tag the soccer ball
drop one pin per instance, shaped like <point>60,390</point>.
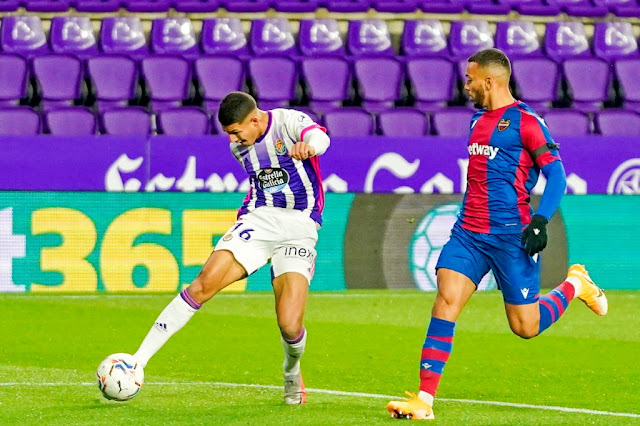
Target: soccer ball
<point>120,377</point>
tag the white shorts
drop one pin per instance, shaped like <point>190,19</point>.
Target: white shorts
<point>287,237</point>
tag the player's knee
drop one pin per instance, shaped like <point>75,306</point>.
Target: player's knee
<point>290,329</point>
<point>525,330</point>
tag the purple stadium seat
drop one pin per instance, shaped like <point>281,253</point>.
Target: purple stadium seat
<point>272,36</point>
<point>60,79</point>
<point>320,37</point>
<point>23,35</point>
<point>581,8</point>
<point>453,122</point>
<point>70,121</point>
<point>19,121</point>
<point>114,78</point>
<point>380,82</point>
<point>536,7</point>
<point>395,6</point>
<point>348,6</point>
<point>537,80</point>
<point>9,5</point>
<point>433,81</point>
<point>629,79</point>
<point>296,6</point>
<point>369,37</point>
<point>196,6</point>
<point>97,6</point>
<point>468,37</point>
<point>424,38</point>
<point>223,36</point>
<point>349,122</point>
<point>565,40</point>
<point>618,122</point>
<point>621,8</point>
<point>125,35</point>
<point>403,122</point>
<point>567,122</point>
<point>13,79</point>
<point>441,6</point>
<point>74,35</point>
<point>147,5</point>
<point>614,40</point>
<point>218,75</point>
<point>246,5</point>
<point>168,79</point>
<point>47,5</point>
<point>126,121</point>
<point>589,80</point>
<point>517,38</point>
<point>275,80</point>
<point>487,7</point>
<point>328,80</point>
<point>183,121</point>
<point>174,36</point>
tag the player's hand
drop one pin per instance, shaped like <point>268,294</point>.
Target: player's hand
<point>302,151</point>
<point>534,237</point>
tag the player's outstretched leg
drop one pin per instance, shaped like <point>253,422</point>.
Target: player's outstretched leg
<point>590,293</point>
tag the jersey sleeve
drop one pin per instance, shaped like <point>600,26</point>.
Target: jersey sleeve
<point>298,123</point>
<point>537,140</point>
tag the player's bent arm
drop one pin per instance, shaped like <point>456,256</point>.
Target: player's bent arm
<point>554,190</point>
<point>318,140</point>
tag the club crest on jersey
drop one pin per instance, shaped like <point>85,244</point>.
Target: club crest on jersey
<point>503,124</point>
<point>273,180</point>
<point>281,148</point>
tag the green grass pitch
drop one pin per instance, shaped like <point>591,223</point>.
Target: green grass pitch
<point>224,367</point>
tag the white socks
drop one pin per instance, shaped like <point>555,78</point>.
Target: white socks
<point>293,351</point>
<point>576,283</point>
<point>426,397</point>
<point>173,318</point>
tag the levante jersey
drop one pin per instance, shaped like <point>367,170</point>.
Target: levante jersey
<point>276,179</point>
<point>507,148</point>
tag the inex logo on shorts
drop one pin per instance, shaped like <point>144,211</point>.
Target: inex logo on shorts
<point>273,180</point>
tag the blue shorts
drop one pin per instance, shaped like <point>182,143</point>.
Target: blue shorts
<point>474,254</point>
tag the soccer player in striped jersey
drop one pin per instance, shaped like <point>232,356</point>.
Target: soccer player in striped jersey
<point>278,222</point>
<point>497,229</point>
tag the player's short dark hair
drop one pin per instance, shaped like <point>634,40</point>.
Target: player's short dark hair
<point>489,57</point>
<point>235,107</point>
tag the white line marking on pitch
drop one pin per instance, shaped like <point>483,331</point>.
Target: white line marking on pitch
<point>360,394</point>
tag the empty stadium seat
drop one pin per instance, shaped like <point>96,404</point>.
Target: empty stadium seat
<point>567,39</point>
<point>23,35</point>
<point>589,80</point>
<point>126,121</point>
<point>618,122</point>
<point>349,122</point>
<point>174,36</point>
<point>183,121</point>
<point>272,36</point>
<point>47,5</point>
<point>275,80</point>
<point>246,5</point>
<point>537,81</point>
<point>517,38</point>
<point>468,37</point>
<point>19,121</point>
<point>114,79</point>
<point>320,37</point>
<point>13,79</point>
<point>218,75</point>
<point>452,122</point>
<point>379,81</point>
<point>196,6</point>
<point>125,35</point>
<point>433,82</point>
<point>70,121</point>
<point>59,77</point>
<point>629,79</point>
<point>567,122</point>
<point>295,6</point>
<point>614,40</point>
<point>424,38</point>
<point>441,6</point>
<point>146,6</point>
<point>348,6</point>
<point>403,122</point>
<point>369,37</point>
<point>581,8</point>
<point>223,36</point>
<point>328,81</point>
<point>97,6</point>
<point>73,35</point>
<point>168,79</point>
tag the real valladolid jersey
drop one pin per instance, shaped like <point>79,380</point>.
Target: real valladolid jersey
<point>276,179</point>
<point>507,148</point>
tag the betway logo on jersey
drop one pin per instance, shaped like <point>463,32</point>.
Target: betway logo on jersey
<point>486,150</point>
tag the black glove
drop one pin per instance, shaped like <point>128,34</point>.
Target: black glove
<point>534,237</point>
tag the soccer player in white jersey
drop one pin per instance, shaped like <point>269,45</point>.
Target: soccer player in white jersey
<point>278,222</point>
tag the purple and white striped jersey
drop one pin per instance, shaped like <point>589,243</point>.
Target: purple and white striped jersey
<point>278,180</point>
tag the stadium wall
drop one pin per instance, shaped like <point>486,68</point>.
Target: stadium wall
<point>59,241</point>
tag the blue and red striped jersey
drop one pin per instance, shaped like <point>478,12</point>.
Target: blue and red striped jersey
<point>507,148</point>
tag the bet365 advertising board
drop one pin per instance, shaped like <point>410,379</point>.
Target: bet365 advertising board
<point>158,241</point>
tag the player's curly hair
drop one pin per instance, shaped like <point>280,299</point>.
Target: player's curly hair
<point>235,107</point>
<point>488,57</point>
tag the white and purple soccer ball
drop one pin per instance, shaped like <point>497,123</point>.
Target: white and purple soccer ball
<point>120,377</point>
